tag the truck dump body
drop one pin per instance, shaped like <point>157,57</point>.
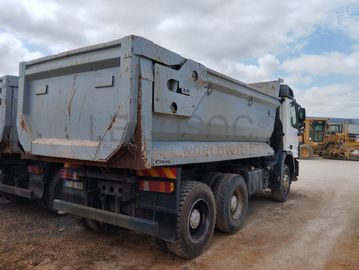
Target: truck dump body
<point>133,104</point>
<point>8,103</point>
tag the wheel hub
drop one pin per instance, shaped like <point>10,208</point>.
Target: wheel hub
<point>234,202</point>
<point>195,219</point>
<point>286,182</point>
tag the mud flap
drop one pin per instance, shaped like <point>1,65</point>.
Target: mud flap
<point>37,185</point>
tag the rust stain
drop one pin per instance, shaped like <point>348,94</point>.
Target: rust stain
<point>113,120</point>
<point>140,153</point>
<point>72,96</point>
<point>22,123</point>
<point>134,154</point>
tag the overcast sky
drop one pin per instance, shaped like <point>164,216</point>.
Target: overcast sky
<point>312,45</point>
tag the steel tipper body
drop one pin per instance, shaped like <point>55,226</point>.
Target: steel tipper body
<point>20,177</point>
<point>155,142</point>
<point>8,103</point>
<point>137,105</point>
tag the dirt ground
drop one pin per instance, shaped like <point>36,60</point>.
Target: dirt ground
<point>317,228</point>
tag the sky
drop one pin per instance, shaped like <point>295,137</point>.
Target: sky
<point>313,45</point>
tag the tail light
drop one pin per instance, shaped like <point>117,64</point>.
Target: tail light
<point>69,174</point>
<point>157,186</point>
<point>35,169</point>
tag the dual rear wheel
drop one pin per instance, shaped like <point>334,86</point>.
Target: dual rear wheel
<point>201,210</point>
<point>224,207</point>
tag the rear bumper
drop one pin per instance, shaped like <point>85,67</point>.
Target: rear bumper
<point>132,223</point>
<point>21,192</point>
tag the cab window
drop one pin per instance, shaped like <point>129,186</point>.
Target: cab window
<point>293,115</point>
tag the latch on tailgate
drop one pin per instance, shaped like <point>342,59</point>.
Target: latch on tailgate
<point>179,92</point>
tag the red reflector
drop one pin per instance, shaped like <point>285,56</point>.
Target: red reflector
<point>69,174</point>
<point>163,172</point>
<point>157,186</point>
<point>35,169</point>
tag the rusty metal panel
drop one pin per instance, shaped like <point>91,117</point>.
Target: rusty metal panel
<point>130,103</point>
<point>75,118</point>
<point>8,104</point>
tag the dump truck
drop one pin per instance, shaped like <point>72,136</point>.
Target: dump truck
<point>155,142</point>
<point>21,178</point>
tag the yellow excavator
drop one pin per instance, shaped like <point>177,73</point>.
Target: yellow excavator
<point>329,140</point>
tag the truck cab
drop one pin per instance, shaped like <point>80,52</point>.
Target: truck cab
<point>292,116</point>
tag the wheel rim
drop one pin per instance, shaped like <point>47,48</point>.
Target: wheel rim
<point>198,220</point>
<point>286,182</point>
<point>304,152</point>
<point>236,204</point>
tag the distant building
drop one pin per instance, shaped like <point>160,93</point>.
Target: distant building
<point>339,120</point>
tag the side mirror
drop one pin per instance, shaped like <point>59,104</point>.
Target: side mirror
<point>301,115</point>
<point>301,126</point>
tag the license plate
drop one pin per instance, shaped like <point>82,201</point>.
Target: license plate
<point>73,184</point>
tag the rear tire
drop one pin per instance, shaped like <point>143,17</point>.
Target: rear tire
<point>281,187</point>
<point>53,190</point>
<point>195,220</point>
<point>231,203</point>
<point>305,151</point>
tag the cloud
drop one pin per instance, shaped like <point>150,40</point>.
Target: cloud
<point>220,30</point>
<point>337,100</point>
<point>295,79</point>
<point>326,64</point>
<point>263,71</point>
<point>13,51</point>
<point>347,21</point>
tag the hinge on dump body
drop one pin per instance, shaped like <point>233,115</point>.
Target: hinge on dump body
<point>178,92</point>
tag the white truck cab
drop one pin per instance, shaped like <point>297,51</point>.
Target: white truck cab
<point>292,117</point>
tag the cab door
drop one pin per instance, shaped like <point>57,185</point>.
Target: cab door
<point>289,116</point>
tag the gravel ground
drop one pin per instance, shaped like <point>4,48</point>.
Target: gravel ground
<point>317,228</point>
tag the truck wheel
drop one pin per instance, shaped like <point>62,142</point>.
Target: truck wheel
<point>97,226</point>
<point>53,190</point>
<point>195,220</point>
<point>280,189</point>
<point>232,203</point>
<point>211,178</point>
<point>305,151</point>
